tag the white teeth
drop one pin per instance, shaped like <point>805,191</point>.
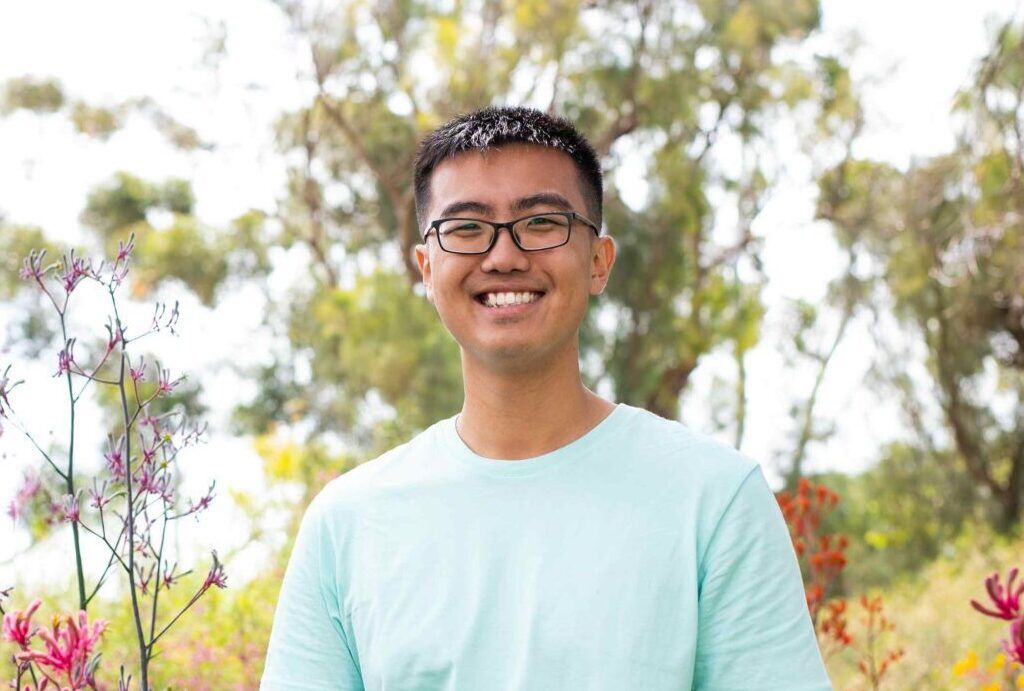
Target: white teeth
<point>501,299</point>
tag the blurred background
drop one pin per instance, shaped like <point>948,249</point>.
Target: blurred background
<point>819,209</point>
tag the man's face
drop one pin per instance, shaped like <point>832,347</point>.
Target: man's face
<point>502,185</point>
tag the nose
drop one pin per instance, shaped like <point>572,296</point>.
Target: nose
<point>505,255</point>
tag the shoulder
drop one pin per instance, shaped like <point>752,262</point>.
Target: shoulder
<point>695,455</point>
<point>698,474</point>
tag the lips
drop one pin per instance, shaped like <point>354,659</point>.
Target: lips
<point>477,295</point>
<point>512,311</point>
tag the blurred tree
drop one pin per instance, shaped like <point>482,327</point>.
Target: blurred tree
<point>46,95</point>
<point>900,514</point>
<point>804,326</point>
<point>96,121</point>
<point>171,242</point>
<point>668,81</point>
<point>379,337</point>
<point>687,93</point>
<point>947,237</point>
<point>29,326</point>
<point>837,124</point>
<point>40,95</point>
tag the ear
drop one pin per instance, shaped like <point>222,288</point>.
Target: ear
<point>602,257</point>
<point>422,253</point>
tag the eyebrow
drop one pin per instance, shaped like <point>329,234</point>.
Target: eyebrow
<point>552,199</point>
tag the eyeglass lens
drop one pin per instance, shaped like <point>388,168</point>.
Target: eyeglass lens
<point>534,233</point>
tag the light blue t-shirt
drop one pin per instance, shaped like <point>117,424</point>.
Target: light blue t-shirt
<point>642,556</point>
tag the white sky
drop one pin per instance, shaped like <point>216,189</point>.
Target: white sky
<point>106,51</point>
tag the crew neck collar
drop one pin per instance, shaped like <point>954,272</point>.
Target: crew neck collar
<point>563,455</point>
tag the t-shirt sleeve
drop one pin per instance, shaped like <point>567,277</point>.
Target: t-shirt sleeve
<point>308,648</point>
<point>754,630</point>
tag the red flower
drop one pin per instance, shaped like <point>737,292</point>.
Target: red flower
<point>138,373</point>
<point>124,251</point>
<point>32,266</point>
<point>66,358</point>
<point>115,459</point>
<point>69,504</point>
<point>1007,601</point>
<point>74,271</point>
<point>98,495</point>
<point>17,625</point>
<point>68,649</point>
<point>1015,646</point>
<point>152,482</point>
<point>203,503</point>
<point>216,576</point>
<point>164,385</point>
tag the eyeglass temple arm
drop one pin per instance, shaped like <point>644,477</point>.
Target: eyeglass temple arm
<point>590,223</point>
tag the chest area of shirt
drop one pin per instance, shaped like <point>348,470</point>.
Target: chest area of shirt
<point>559,579</point>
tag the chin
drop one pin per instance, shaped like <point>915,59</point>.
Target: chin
<point>509,355</point>
<point>502,352</point>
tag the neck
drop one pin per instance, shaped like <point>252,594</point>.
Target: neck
<point>519,412</point>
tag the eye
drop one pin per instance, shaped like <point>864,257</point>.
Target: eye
<point>460,226</point>
<point>545,222</point>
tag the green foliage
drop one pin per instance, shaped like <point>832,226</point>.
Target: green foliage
<point>16,241</point>
<point>245,246</point>
<point>621,70</point>
<point>126,199</point>
<point>948,238</point>
<point>30,326</point>
<point>311,465</point>
<point>45,96</point>
<point>201,257</point>
<point>952,284</point>
<point>183,251</point>
<point>40,95</point>
<point>900,514</point>
<point>839,103</point>
<point>280,399</point>
<point>379,337</point>
<point>684,309</point>
<point>177,133</point>
<point>95,121</point>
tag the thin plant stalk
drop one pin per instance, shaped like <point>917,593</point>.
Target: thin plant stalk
<point>147,479</point>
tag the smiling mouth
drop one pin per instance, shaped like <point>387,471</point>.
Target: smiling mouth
<point>500,300</point>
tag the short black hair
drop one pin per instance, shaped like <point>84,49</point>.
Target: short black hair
<point>494,126</point>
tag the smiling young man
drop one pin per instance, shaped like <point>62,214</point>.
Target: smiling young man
<point>543,538</point>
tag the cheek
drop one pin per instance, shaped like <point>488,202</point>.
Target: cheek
<point>450,300</point>
<point>577,278</point>
<point>572,291</point>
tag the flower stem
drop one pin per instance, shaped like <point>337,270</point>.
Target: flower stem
<point>130,518</point>
<point>70,478</point>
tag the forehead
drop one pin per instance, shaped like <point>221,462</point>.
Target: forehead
<point>499,177</point>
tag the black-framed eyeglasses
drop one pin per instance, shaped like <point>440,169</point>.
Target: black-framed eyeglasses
<point>530,233</point>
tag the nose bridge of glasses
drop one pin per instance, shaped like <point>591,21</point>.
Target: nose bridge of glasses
<point>496,237</point>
